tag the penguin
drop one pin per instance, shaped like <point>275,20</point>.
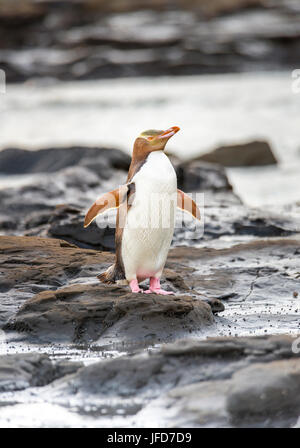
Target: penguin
<point>146,209</point>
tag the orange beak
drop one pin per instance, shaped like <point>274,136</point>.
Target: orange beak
<point>169,132</point>
<point>166,134</point>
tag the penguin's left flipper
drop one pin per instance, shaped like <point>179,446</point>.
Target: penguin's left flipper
<point>185,203</point>
<point>112,199</point>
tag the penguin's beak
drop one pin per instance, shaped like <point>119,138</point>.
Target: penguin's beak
<point>168,133</point>
<point>159,139</point>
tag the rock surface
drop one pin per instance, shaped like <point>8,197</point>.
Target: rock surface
<point>219,382</point>
<point>72,40</point>
<point>268,389</point>
<point>30,265</point>
<point>244,270</point>
<point>51,160</point>
<point>109,315</point>
<point>249,154</point>
<point>53,203</point>
<point>21,371</point>
<point>255,277</point>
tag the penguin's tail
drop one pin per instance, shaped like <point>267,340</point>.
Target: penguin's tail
<point>108,276</point>
<point>112,275</point>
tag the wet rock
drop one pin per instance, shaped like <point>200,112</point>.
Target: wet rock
<point>249,154</point>
<point>49,293</point>
<point>246,274</point>
<point>52,160</point>
<point>241,393</point>
<point>30,265</point>
<point>75,40</point>
<point>264,224</point>
<point>54,204</point>
<point>67,223</point>
<point>265,389</point>
<point>29,11</point>
<point>125,377</point>
<point>21,371</point>
<point>36,208</point>
<point>109,314</point>
<point>215,304</point>
<point>225,216</point>
<point>189,383</point>
<point>263,348</point>
<point>138,374</point>
<point>219,6</point>
<point>196,175</point>
<point>258,276</point>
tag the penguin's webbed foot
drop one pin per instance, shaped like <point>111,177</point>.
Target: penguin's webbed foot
<point>134,286</point>
<point>156,289</point>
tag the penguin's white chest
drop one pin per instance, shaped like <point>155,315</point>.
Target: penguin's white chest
<point>149,225</point>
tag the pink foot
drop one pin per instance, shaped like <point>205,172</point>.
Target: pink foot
<point>159,291</point>
<point>134,286</point>
<point>155,288</point>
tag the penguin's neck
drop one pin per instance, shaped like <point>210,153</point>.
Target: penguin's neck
<point>157,165</point>
<point>157,171</point>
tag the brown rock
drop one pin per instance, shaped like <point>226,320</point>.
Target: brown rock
<point>249,154</point>
<point>207,7</point>
<point>87,312</point>
<point>44,261</point>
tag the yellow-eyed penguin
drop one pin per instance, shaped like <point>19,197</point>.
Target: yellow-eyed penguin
<point>146,214</point>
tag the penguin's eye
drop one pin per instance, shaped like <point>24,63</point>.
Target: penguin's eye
<point>150,138</point>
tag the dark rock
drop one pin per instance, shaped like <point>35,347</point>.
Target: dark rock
<point>244,385</point>
<point>263,225</point>
<point>215,304</point>
<point>51,160</point>
<point>216,381</point>
<point>67,223</point>
<point>54,204</point>
<point>265,390</point>
<point>258,278</point>
<point>21,371</point>
<point>264,348</point>
<point>247,280</point>
<point>249,154</point>
<point>28,263</point>
<point>224,215</point>
<point>75,40</point>
<point>196,175</point>
<point>90,312</point>
<point>37,208</point>
<point>127,376</point>
<point>191,383</point>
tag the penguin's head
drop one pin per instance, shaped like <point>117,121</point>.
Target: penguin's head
<point>154,140</point>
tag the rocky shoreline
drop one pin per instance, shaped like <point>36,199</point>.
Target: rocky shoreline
<point>245,382</point>
<point>75,40</point>
<point>97,355</point>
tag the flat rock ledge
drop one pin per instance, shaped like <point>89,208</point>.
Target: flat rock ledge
<point>219,382</point>
<point>23,370</point>
<point>109,315</point>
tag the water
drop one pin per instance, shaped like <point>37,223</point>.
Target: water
<point>211,110</point>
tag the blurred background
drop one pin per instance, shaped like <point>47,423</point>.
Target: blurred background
<point>97,73</point>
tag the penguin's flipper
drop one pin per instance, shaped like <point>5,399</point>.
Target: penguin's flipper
<point>108,201</point>
<point>185,203</point>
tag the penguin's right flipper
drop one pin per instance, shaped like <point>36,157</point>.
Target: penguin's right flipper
<point>112,199</point>
<point>186,203</point>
